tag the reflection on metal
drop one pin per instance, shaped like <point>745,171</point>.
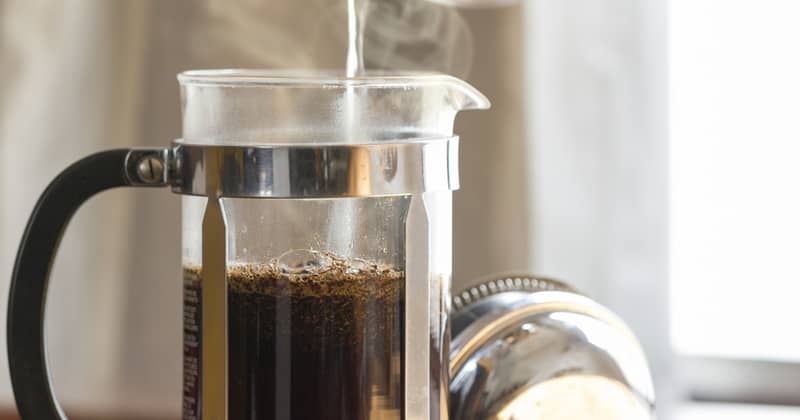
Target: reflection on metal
<point>574,396</point>
<point>214,302</point>
<point>417,378</point>
<point>358,181</point>
<point>531,348</point>
<point>319,171</point>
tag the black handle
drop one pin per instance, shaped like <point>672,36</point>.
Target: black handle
<point>26,303</point>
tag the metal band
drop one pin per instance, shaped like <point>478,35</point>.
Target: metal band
<point>318,171</point>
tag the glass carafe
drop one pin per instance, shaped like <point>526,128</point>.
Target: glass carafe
<point>316,245</point>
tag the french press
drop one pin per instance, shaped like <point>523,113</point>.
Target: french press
<point>316,244</point>
<point>316,248</point>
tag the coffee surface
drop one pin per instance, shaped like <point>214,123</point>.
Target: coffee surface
<point>323,344</point>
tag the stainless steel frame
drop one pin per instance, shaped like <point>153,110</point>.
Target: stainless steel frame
<point>410,167</point>
<point>302,171</point>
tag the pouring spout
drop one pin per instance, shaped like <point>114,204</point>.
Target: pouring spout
<point>464,97</point>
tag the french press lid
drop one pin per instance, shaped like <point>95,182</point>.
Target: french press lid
<point>530,348</point>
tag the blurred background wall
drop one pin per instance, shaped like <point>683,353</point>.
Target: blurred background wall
<point>598,130</point>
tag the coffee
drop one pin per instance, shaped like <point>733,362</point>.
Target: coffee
<point>325,344</point>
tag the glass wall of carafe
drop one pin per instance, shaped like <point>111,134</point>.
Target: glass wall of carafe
<point>338,262</point>
<point>319,312</point>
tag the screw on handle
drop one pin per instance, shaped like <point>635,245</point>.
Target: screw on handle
<point>27,297</point>
<point>148,167</point>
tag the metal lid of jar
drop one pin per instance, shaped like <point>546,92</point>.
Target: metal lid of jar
<point>531,348</point>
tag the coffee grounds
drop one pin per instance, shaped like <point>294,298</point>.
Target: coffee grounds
<point>324,345</point>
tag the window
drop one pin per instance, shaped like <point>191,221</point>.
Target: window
<point>735,197</point>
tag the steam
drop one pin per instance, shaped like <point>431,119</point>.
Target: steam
<point>398,35</point>
<point>416,35</point>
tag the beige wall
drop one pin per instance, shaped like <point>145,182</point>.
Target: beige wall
<point>491,214</point>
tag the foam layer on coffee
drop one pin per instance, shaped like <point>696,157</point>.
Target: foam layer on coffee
<point>338,277</point>
<point>343,302</point>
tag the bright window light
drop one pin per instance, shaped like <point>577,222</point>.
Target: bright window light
<point>735,178</point>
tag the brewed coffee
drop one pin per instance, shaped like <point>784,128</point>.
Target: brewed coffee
<point>307,345</point>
